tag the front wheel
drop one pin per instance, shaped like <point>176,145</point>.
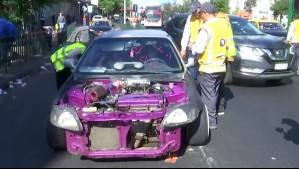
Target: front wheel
<point>198,132</point>
<point>56,137</point>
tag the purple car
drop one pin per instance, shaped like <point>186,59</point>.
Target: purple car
<point>130,96</point>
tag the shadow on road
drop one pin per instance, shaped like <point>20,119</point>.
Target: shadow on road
<point>293,133</point>
<point>263,83</point>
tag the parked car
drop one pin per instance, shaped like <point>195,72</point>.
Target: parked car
<point>82,34</point>
<point>259,55</point>
<point>129,96</point>
<point>272,27</point>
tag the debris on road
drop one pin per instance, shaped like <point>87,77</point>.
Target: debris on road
<point>43,68</point>
<point>2,92</point>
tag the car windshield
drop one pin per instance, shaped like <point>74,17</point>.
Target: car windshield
<point>100,23</point>
<point>243,27</point>
<point>153,15</point>
<point>271,26</point>
<point>130,56</point>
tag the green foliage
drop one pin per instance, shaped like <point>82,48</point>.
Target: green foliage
<point>221,5</point>
<point>280,7</point>
<point>16,10</point>
<point>113,7</point>
<point>249,4</point>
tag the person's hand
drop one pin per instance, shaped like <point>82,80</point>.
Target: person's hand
<point>230,59</point>
<point>183,53</point>
<point>190,46</point>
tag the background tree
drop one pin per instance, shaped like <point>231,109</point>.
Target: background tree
<point>112,7</point>
<point>280,7</point>
<point>185,7</point>
<point>249,4</point>
<point>221,5</point>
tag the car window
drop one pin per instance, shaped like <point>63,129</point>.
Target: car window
<point>124,55</point>
<point>271,26</point>
<point>243,27</point>
<point>254,23</point>
<point>100,23</point>
<point>179,23</point>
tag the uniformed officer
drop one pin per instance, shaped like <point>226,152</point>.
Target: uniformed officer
<point>192,26</point>
<point>211,46</point>
<point>293,38</point>
<point>59,58</point>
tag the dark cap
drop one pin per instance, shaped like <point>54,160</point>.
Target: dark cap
<point>208,7</point>
<point>194,5</point>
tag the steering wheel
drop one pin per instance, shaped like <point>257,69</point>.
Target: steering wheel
<point>155,60</point>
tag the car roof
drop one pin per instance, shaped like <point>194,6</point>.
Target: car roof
<point>264,20</point>
<point>139,33</point>
<point>187,14</point>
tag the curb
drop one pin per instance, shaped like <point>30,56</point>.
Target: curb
<point>29,71</point>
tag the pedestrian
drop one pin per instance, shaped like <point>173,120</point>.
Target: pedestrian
<point>293,38</point>
<point>42,19</point>
<point>53,19</point>
<point>211,46</point>
<point>61,21</point>
<point>192,26</point>
<point>230,54</point>
<point>9,33</point>
<point>61,56</point>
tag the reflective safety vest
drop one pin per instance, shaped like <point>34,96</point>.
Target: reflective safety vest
<point>213,58</point>
<point>60,55</point>
<point>231,48</point>
<point>295,38</point>
<point>195,25</point>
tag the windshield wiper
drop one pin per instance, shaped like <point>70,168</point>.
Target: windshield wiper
<point>145,72</point>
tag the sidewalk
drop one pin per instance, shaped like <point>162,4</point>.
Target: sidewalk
<point>19,71</point>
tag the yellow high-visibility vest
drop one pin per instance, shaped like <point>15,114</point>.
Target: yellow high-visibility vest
<point>213,58</point>
<point>60,55</point>
<point>231,48</point>
<point>195,25</point>
<point>295,38</point>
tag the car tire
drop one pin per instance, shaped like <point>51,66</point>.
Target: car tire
<point>198,132</point>
<point>56,137</point>
<point>228,79</point>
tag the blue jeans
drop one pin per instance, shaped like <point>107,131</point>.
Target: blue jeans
<point>193,69</point>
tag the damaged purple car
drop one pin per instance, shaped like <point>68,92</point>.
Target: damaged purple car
<point>130,96</point>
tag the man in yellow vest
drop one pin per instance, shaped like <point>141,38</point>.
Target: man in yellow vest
<point>293,38</point>
<point>192,26</point>
<point>230,53</point>
<point>63,55</point>
<point>211,47</point>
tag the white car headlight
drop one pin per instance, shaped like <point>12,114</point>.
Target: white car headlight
<point>180,114</point>
<point>251,51</point>
<point>66,118</point>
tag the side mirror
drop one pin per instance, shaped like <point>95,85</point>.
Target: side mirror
<point>71,63</point>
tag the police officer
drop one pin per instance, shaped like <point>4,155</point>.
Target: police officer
<point>59,58</point>
<point>211,46</point>
<point>293,38</point>
<point>192,26</point>
<point>230,53</point>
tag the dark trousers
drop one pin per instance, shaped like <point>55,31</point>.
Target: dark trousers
<point>62,76</point>
<point>193,70</point>
<point>296,46</point>
<point>209,89</point>
<point>221,98</point>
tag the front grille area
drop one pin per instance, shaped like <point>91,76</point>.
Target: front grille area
<point>278,54</point>
<point>271,71</point>
<point>103,136</point>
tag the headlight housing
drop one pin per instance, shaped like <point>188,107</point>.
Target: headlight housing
<point>180,114</point>
<point>66,118</point>
<point>251,51</point>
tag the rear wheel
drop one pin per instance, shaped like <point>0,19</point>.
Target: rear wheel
<point>197,132</point>
<point>56,137</point>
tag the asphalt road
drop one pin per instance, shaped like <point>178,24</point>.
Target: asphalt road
<point>259,129</point>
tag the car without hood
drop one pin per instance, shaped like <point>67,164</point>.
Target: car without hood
<point>129,96</point>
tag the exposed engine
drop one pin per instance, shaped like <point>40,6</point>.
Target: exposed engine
<point>124,95</point>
